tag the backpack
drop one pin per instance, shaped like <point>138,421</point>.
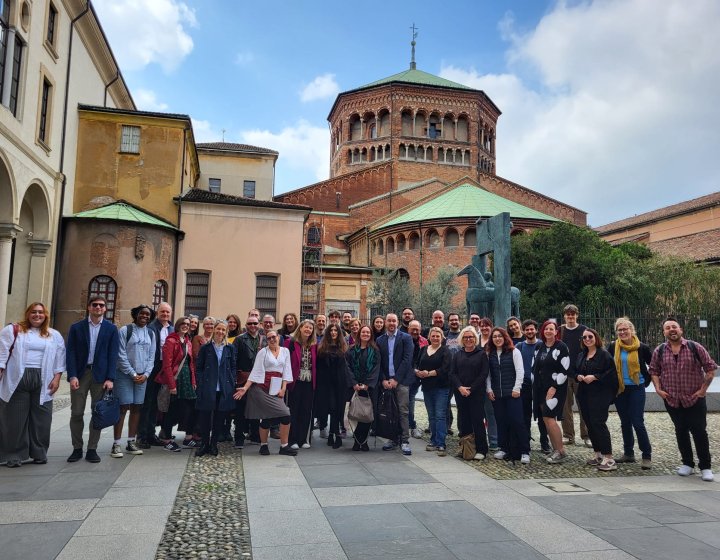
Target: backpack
<point>129,331</point>
<point>692,345</point>
<point>387,421</point>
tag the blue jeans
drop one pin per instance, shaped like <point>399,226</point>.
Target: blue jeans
<point>436,405</point>
<point>411,411</point>
<point>630,405</point>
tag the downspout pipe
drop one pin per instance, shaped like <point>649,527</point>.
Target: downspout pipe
<point>178,233</point>
<point>107,87</point>
<point>63,187</point>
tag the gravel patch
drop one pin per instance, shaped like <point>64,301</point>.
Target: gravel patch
<point>665,455</point>
<point>210,518</point>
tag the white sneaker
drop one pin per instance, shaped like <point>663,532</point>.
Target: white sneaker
<point>684,470</point>
<point>305,446</point>
<point>416,433</point>
<point>295,446</point>
<point>707,475</point>
<point>478,457</point>
<point>500,454</point>
<point>116,451</point>
<point>525,459</point>
<point>324,433</point>
<point>405,447</point>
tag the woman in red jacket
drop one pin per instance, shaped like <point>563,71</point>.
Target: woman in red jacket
<point>178,373</point>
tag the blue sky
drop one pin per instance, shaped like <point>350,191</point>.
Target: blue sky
<point>608,105</point>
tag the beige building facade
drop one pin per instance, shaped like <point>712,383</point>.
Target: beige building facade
<point>55,56</point>
<point>237,169</point>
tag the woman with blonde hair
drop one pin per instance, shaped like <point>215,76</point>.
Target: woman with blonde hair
<point>631,362</point>
<point>303,360</point>
<point>433,367</point>
<point>32,359</point>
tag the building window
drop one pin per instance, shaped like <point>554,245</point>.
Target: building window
<point>249,189</point>
<point>160,293</point>
<point>51,24</point>
<point>15,76</point>
<point>130,141</point>
<point>106,287</point>
<point>266,294</point>
<point>452,238</point>
<point>45,105</point>
<point>313,235</point>
<point>214,185</point>
<point>197,286</point>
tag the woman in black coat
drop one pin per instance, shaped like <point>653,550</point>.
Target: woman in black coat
<point>363,360</point>
<point>331,391</point>
<point>597,387</point>
<point>215,375</point>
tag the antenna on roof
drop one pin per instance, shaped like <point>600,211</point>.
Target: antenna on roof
<point>223,135</point>
<point>414,36</point>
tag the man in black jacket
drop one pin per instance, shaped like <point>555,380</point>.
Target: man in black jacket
<point>247,346</point>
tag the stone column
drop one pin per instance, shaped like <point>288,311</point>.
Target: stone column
<point>8,232</point>
<point>38,270</point>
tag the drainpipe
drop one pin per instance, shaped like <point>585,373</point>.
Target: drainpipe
<point>63,186</point>
<point>421,262</point>
<point>178,232</point>
<point>107,87</point>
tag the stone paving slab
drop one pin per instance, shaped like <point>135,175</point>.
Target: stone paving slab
<point>315,551</point>
<point>709,533</point>
<point>277,528</point>
<point>659,543</point>
<point>516,550</point>
<point>393,494</point>
<point>399,548</point>
<point>46,511</point>
<point>36,541</point>
<point>111,547</point>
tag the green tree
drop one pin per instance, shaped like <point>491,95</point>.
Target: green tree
<point>389,292</point>
<point>438,293</point>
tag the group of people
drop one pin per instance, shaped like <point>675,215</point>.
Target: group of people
<point>204,375</point>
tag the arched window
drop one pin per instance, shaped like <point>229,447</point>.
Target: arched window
<point>407,123</point>
<point>433,239</point>
<point>373,131</point>
<point>470,239</point>
<point>390,245</point>
<point>452,239</point>
<point>106,287</point>
<point>401,242</point>
<point>413,241</point>
<point>402,273</point>
<point>355,127</point>
<point>160,293</point>
<point>313,235</point>
<point>380,247</point>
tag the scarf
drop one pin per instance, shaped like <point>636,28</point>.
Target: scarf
<point>633,361</point>
<point>369,363</point>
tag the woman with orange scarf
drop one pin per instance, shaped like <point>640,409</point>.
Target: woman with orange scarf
<point>631,360</point>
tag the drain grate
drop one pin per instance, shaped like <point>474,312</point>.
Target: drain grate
<point>563,486</point>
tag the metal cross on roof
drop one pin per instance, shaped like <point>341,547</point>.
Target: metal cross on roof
<point>412,43</point>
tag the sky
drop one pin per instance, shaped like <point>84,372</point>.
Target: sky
<point>607,105</point>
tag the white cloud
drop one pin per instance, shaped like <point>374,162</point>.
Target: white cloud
<point>611,105</point>
<point>244,58</point>
<point>143,32</point>
<point>322,87</point>
<point>304,152</point>
<point>146,100</point>
<point>204,131</point>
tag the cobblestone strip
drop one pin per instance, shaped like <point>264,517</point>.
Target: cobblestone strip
<point>210,517</point>
<point>665,454</point>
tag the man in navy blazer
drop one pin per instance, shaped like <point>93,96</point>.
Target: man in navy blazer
<point>92,354</point>
<point>397,373</point>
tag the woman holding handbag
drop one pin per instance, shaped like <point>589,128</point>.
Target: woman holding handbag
<point>32,359</point>
<point>433,367</point>
<point>216,372</point>
<point>331,391</point>
<point>177,378</point>
<point>363,361</point>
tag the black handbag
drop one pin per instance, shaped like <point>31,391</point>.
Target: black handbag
<point>387,423</point>
<point>106,411</point>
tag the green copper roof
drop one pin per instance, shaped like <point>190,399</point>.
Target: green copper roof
<point>123,212</point>
<point>414,76</point>
<point>466,201</point>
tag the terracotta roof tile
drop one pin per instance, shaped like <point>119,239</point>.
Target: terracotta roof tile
<point>662,213</point>
<point>233,147</point>
<point>200,195</point>
<point>701,246</point>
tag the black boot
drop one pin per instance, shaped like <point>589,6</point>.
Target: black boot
<point>213,448</point>
<point>204,450</point>
<point>331,439</point>
<point>337,444</point>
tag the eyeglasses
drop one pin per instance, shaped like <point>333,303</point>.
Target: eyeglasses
<point>250,324</point>
<point>97,305</point>
<point>623,329</point>
<point>498,336</point>
<point>469,337</point>
<point>588,337</point>
<point>273,337</point>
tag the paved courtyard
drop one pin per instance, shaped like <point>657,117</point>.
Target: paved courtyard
<point>336,504</point>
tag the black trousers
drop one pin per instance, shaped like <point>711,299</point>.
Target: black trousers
<point>212,422</point>
<point>471,419</point>
<point>687,421</point>
<point>149,411</point>
<point>182,412</point>
<point>300,401</point>
<point>243,426</point>
<point>594,405</point>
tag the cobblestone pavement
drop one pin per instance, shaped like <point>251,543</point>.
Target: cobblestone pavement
<point>210,516</point>
<point>666,458</point>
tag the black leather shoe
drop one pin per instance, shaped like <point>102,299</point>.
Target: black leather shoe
<point>287,450</point>
<point>365,447</point>
<point>76,455</point>
<point>91,456</point>
<point>331,439</point>
<point>356,446</point>
<point>204,450</point>
<point>264,450</point>
<point>337,444</point>
<point>214,449</point>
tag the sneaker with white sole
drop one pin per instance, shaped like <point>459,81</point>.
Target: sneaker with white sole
<point>607,465</point>
<point>116,451</point>
<point>389,446</point>
<point>406,449</point>
<point>305,446</point>
<point>295,446</point>
<point>172,446</point>
<point>707,475</point>
<point>557,457</point>
<point>500,454</point>
<point>133,448</point>
<point>685,470</point>
<point>416,433</point>
<point>525,459</point>
<point>478,457</point>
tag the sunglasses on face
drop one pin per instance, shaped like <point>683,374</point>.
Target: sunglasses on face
<point>97,305</point>
<point>468,338</point>
<point>250,324</point>
<point>588,337</point>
